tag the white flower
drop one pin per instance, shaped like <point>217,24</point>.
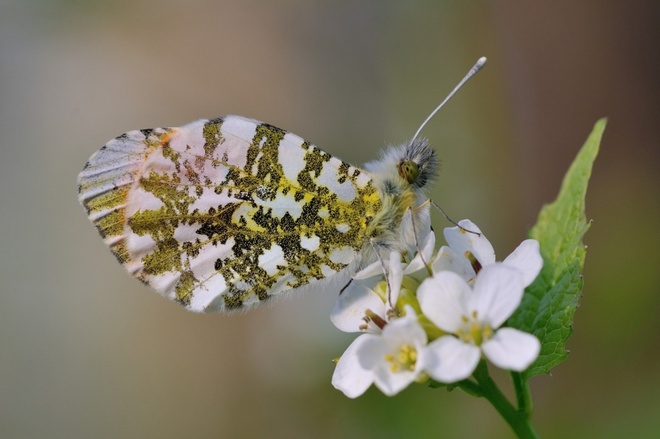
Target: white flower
<point>391,360</point>
<point>359,309</point>
<point>473,315</point>
<point>469,252</point>
<point>468,298</point>
<point>365,304</point>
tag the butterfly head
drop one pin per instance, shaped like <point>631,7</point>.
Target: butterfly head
<point>419,163</point>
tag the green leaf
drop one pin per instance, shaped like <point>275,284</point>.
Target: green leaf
<point>549,304</point>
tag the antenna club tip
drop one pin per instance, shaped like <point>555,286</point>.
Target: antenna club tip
<point>481,61</point>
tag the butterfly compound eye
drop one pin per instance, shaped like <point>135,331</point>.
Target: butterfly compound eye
<point>409,170</point>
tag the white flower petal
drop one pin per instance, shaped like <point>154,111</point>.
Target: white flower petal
<point>512,349</point>
<point>423,256</point>
<point>395,277</point>
<point>405,330</point>
<point>448,359</point>
<point>391,383</point>
<point>497,293</point>
<point>371,270</point>
<point>418,230</point>
<point>350,376</point>
<point>462,241</point>
<point>526,258</point>
<point>372,351</point>
<point>443,299</point>
<point>448,260</point>
<point>349,310</point>
<point>423,220</point>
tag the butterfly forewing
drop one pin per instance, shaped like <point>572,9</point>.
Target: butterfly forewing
<point>223,214</point>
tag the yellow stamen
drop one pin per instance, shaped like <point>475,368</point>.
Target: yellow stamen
<point>405,359</point>
<point>473,331</point>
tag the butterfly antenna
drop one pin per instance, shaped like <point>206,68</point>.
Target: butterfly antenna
<point>473,71</point>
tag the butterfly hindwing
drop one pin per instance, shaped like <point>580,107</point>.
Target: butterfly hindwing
<point>223,214</point>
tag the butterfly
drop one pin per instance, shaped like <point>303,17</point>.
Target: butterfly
<point>224,214</point>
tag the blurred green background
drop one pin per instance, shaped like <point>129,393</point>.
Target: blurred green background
<point>86,351</point>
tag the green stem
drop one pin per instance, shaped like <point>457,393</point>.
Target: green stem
<point>518,420</point>
<point>522,394</point>
<point>471,388</point>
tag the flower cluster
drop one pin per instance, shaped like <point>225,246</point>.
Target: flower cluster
<point>435,315</point>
